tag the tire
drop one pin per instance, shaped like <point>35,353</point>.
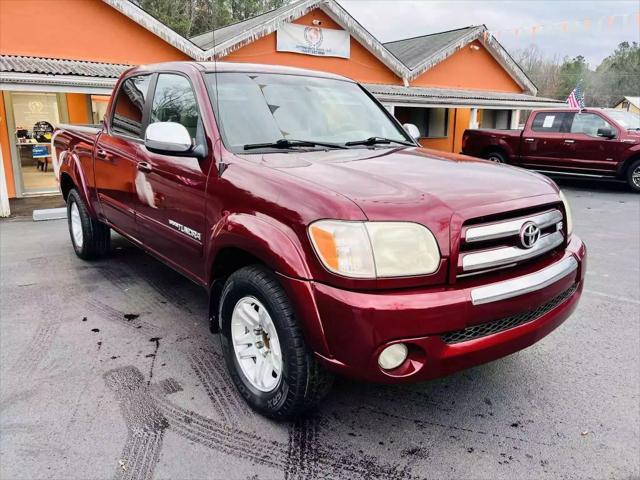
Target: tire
<point>496,157</point>
<point>302,382</point>
<point>633,176</point>
<point>91,239</point>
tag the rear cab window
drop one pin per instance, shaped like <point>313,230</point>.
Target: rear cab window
<point>551,122</point>
<point>128,111</point>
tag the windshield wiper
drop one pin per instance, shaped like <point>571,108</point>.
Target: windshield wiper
<point>285,143</point>
<point>378,141</point>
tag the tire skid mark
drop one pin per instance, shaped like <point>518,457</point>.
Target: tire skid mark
<point>118,277</point>
<point>209,369</point>
<point>145,424</point>
<point>148,414</point>
<point>249,446</point>
<point>302,454</point>
<point>110,313</point>
<point>37,348</point>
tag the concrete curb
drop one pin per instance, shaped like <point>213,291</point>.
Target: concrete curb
<point>49,214</point>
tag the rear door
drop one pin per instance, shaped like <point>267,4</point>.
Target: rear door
<point>116,154</point>
<point>171,190</point>
<point>542,144</point>
<point>585,151</point>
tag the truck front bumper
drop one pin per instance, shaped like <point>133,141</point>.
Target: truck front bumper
<point>446,329</point>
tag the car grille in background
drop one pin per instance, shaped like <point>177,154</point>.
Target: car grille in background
<point>490,245</point>
<point>496,326</point>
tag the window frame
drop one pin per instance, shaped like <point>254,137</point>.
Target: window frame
<point>152,91</point>
<point>145,109</point>
<point>565,126</point>
<point>426,116</point>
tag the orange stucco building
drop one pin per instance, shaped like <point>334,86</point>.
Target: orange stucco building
<point>63,70</point>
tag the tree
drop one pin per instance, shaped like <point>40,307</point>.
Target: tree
<point>618,75</point>
<point>193,17</point>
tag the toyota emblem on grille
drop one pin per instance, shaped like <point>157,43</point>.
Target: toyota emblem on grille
<point>529,235</point>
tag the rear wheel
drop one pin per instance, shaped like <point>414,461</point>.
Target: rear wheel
<point>264,348</point>
<point>90,238</point>
<point>633,176</point>
<point>495,156</point>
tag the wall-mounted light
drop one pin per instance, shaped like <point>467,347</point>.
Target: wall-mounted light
<point>474,47</point>
<point>317,22</point>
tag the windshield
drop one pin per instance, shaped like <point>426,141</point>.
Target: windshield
<point>256,108</point>
<point>626,120</point>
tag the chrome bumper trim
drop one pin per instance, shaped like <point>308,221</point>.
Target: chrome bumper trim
<point>525,284</point>
<point>508,255</point>
<point>510,227</point>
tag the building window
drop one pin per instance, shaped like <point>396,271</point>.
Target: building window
<point>497,119</point>
<point>431,122</point>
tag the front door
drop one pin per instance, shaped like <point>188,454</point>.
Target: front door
<point>542,144</point>
<point>171,190</point>
<point>116,154</point>
<point>585,151</point>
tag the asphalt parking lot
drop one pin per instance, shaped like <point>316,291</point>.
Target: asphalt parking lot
<point>108,369</point>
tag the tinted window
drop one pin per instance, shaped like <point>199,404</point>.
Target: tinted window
<point>589,123</point>
<point>128,112</point>
<point>550,122</point>
<point>174,101</point>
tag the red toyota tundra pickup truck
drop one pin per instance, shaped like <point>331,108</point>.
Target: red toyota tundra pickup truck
<point>327,239</point>
<point>596,143</point>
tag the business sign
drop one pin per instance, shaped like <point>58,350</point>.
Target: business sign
<point>39,151</point>
<point>321,42</point>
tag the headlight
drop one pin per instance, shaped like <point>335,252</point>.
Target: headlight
<point>375,249</point>
<point>567,209</point>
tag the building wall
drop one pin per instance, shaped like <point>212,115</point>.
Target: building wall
<point>469,69</point>
<point>80,30</point>
<point>6,152</point>
<point>362,66</point>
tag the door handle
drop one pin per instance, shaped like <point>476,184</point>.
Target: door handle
<point>529,140</point>
<point>102,154</point>
<point>568,140</point>
<point>144,167</point>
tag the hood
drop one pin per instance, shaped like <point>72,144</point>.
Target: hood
<point>409,178</point>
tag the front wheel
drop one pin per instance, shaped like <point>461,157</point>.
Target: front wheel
<point>90,238</point>
<point>633,176</point>
<point>264,349</point>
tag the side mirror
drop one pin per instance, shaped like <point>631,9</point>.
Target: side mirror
<point>606,133</point>
<point>168,138</point>
<point>412,130</point>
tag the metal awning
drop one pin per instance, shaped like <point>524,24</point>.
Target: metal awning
<point>52,74</point>
<point>449,97</point>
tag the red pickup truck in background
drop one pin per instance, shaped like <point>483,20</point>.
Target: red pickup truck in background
<point>598,143</point>
<point>327,240</point>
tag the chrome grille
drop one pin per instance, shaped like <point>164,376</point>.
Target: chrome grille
<point>497,244</point>
<point>507,323</point>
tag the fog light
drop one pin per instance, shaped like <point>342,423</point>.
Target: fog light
<point>393,356</point>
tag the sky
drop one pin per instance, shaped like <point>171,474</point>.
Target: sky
<point>590,31</point>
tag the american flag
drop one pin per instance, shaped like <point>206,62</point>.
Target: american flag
<point>576,98</point>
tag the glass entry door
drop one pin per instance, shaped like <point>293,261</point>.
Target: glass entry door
<point>35,116</point>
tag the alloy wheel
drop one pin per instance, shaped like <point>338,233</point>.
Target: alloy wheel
<point>256,344</point>
<point>76,225</point>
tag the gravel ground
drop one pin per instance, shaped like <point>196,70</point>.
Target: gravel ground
<point>107,370</point>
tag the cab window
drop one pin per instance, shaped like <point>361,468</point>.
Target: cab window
<point>175,101</point>
<point>589,124</point>
<point>129,106</point>
<point>549,122</point>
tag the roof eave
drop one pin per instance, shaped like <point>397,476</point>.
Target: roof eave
<point>77,83</point>
<point>335,12</point>
<point>147,21</point>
